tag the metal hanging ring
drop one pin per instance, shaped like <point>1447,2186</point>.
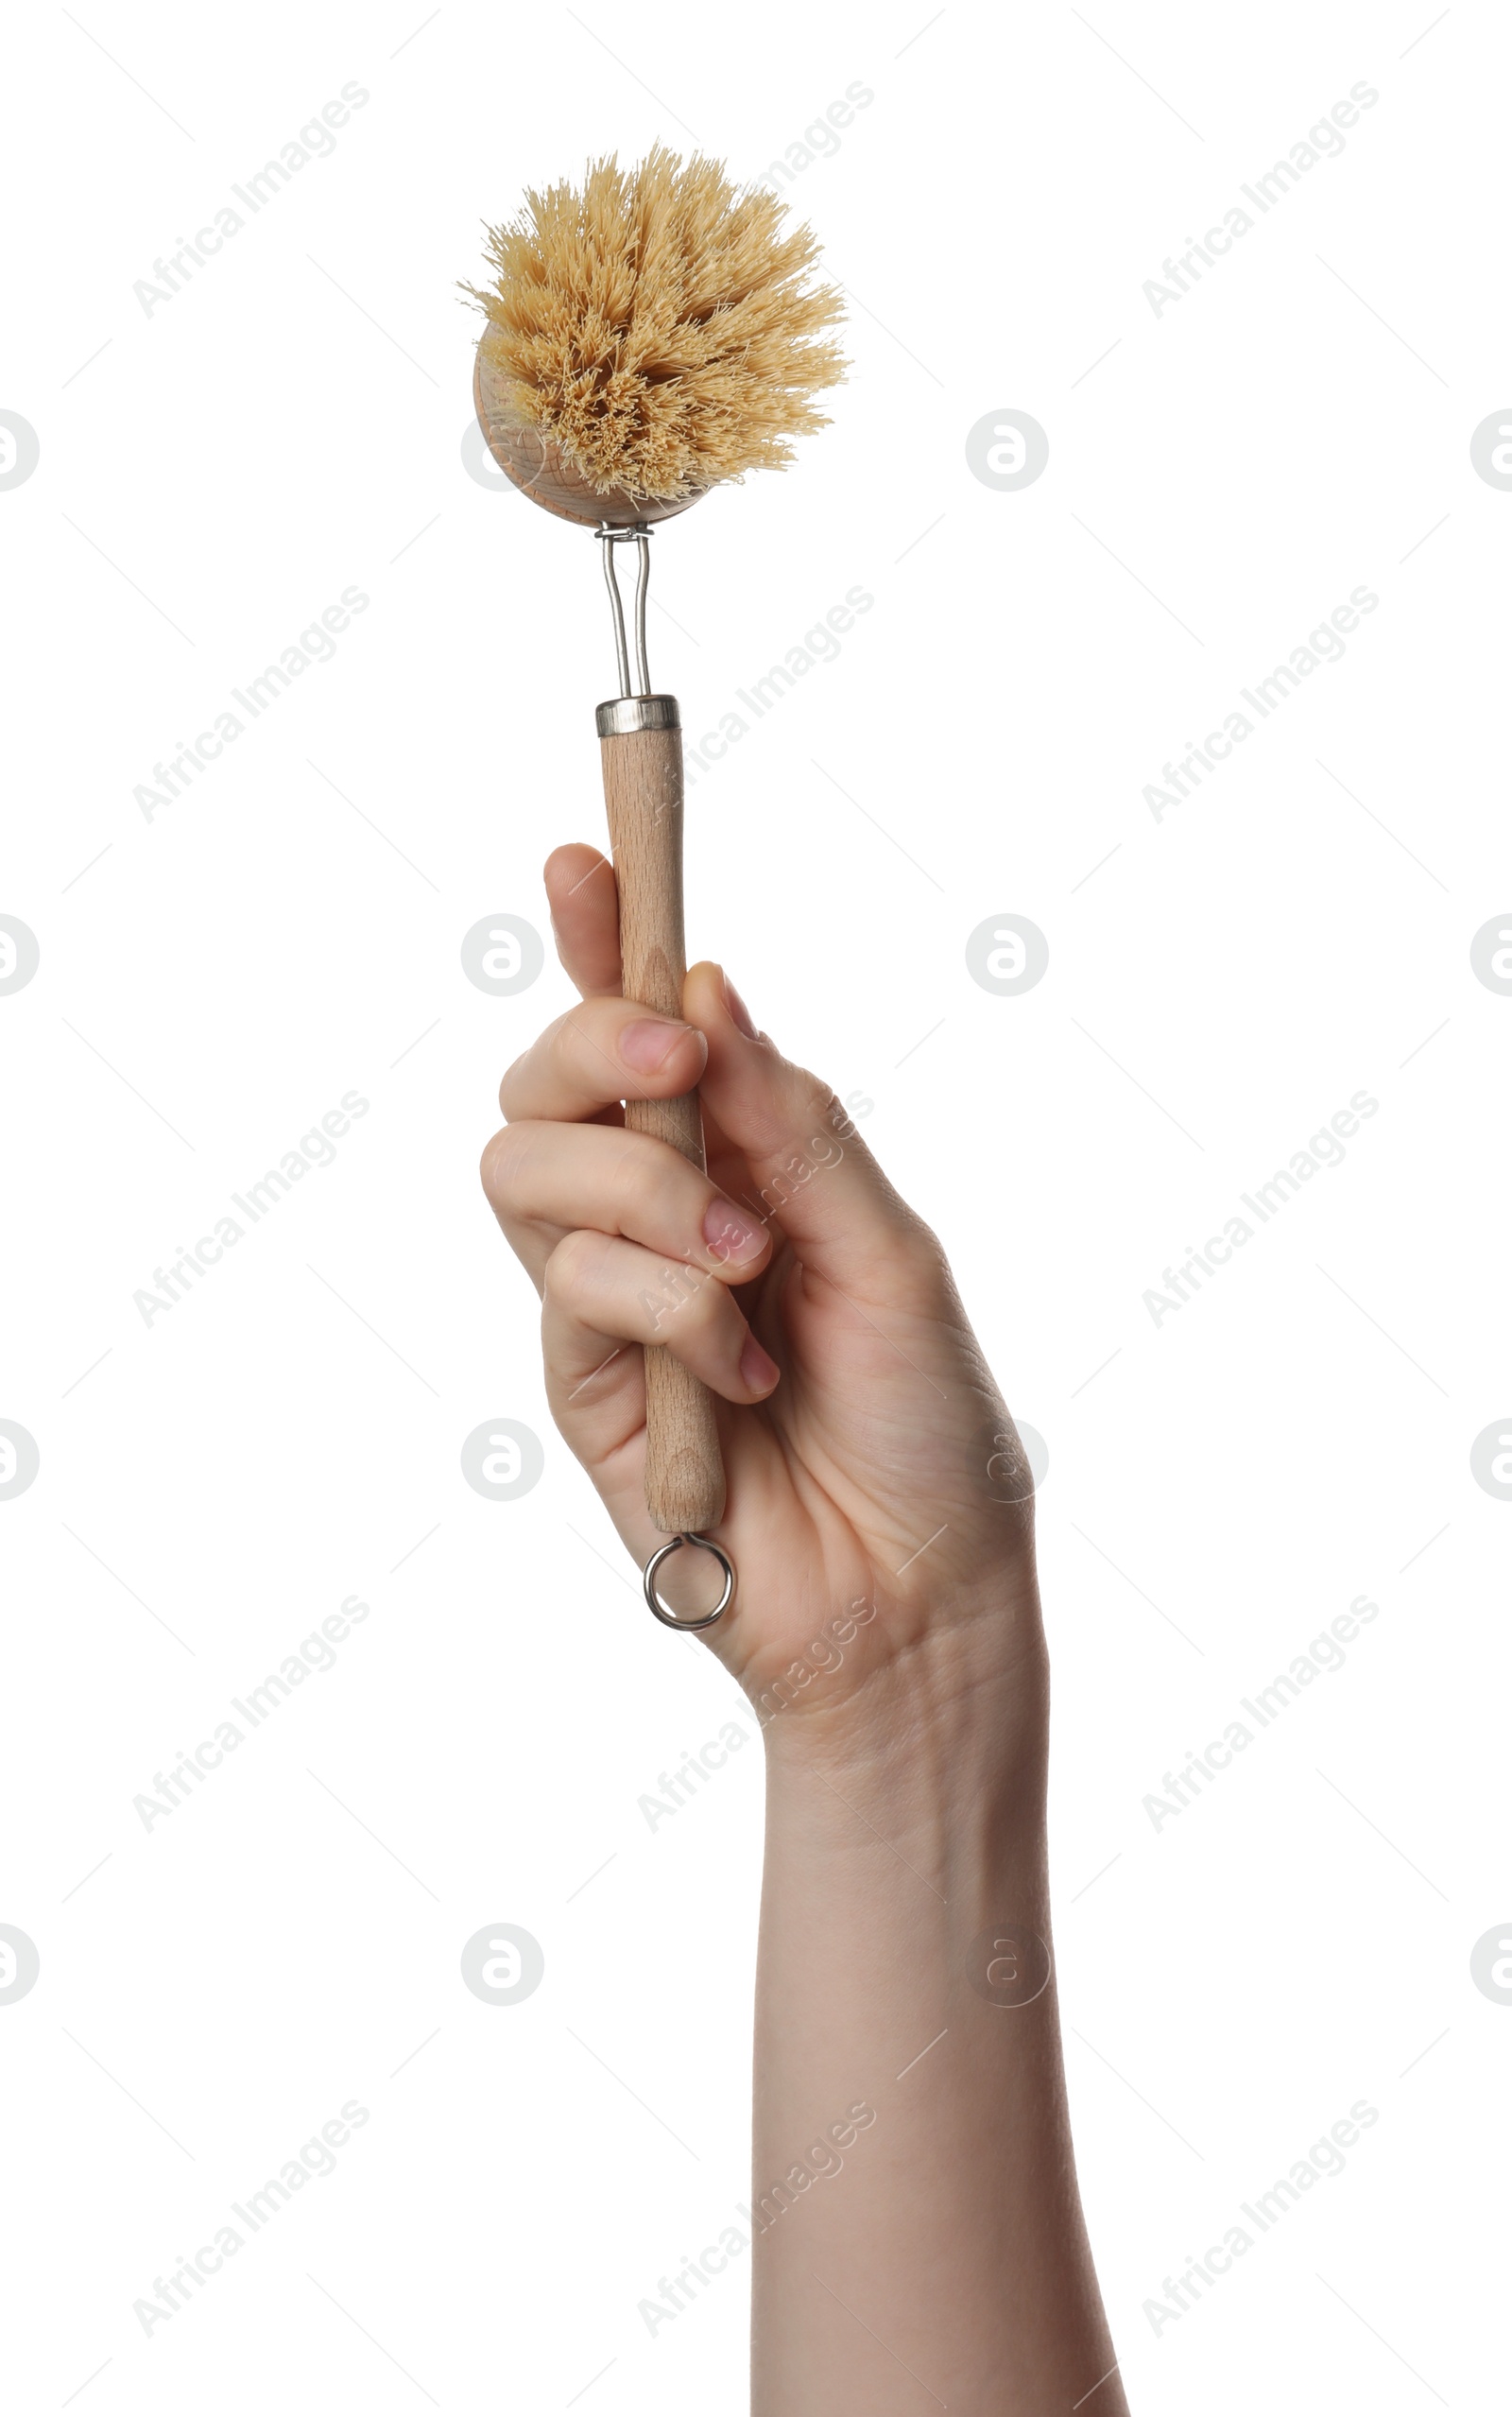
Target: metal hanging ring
<point>669,1619</point>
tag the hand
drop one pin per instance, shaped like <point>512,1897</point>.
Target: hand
<point>872,1469</point>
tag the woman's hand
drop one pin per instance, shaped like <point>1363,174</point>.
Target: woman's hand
<point>878,1510</point>
<point>879,1517</point>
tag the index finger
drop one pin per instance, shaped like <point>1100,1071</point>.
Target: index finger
<point>584,899</point>
<point>598,1053</point>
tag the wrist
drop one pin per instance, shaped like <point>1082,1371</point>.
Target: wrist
<point>953,1722</point>
<point>923,1820</point>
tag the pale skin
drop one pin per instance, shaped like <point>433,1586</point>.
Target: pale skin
<point>887,1631</point>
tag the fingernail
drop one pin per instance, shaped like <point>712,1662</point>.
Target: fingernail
<point>740,1014</point>
<point>647,1047</point>
<point>730,1234</point>
<point>759,1372</point>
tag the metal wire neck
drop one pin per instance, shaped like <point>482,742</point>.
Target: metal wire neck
<point>609,538</point>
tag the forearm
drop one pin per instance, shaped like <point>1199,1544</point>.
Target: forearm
<point>917,2229</point>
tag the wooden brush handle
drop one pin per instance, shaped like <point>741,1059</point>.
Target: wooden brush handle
<point>642,792</point>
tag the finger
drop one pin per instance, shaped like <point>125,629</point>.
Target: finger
<point>607,1049</point>
<point>583,895</point>
<point>601,1292</point>
<point>546,1179</point>
<point>810,1169</point>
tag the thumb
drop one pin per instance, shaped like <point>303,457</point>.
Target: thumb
<point>812,1175</point>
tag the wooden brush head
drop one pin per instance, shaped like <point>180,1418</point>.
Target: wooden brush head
<point>650,334</point>
<point>543,472</point>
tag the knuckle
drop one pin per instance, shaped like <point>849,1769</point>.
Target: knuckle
<point>510,1084</point>
<point>545,1052</point>
<point>571,1268</point>
<point>798,1108</point>
<point>488,1174</point>
<point>688,1307</point>
<point>921,1239</point>
<point>819,1121</point>
<point>812,1096</point>
<point>924,1253</point>
<point>499,1167</point>
<point>647,1188</point>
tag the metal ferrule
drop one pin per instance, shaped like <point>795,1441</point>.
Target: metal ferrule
<point>621,715</point>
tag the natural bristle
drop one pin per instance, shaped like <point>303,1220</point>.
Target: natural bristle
<point>658,327</point>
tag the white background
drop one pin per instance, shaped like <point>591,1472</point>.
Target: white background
<point>214,979</point>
